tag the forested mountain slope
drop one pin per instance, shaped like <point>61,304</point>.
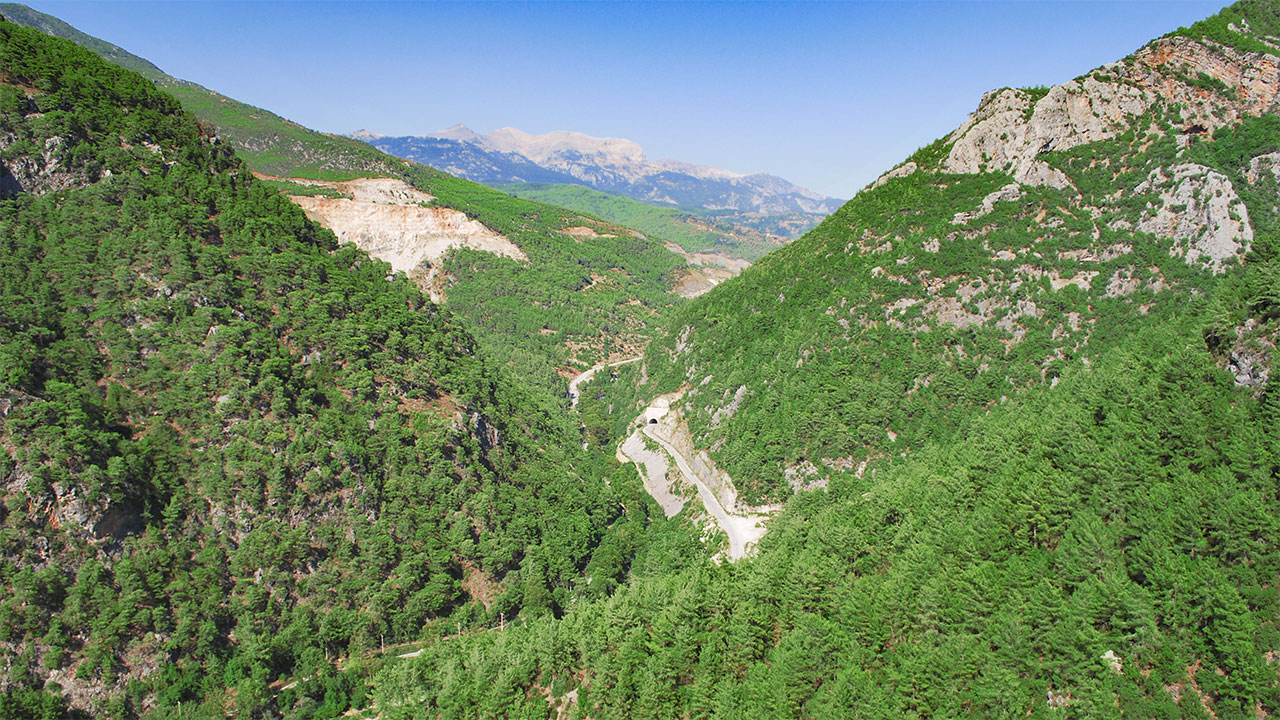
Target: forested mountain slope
<point>715,233</point>
<point>1107,548</point>
<point>1071,338</point>
<point>578,297</point>
<point>587,290</point>
<point>1014,402</point>
<point>1050,225</point>
<point>50,25</point>
<point>230,449</point>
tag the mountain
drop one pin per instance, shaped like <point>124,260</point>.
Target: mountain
<point>1008,414</point>
<point>1052,223</point>
<point>465,159</point>
<point>611,165</point>
<point>50,25</point>
<point>999,438</point>
<point>545,290</point>
<point>766,210</point>
<point>232,449</point>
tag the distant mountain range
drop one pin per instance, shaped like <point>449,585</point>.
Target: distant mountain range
<point>611,165</point>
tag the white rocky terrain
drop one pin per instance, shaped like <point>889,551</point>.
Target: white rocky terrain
<point>394,222</point>
<point>1201,210</point>
<point>662,425</point>
<point>1011,127</point>
<point>1215,86</point>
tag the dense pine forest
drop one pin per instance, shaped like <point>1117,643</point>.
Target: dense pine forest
<point>233,450</point>
<point>576,300</point>
<point>1009,413</point>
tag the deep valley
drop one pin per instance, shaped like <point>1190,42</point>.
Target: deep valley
<point>302,425</point>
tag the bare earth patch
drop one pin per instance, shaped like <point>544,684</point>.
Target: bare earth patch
<point>389,219</point>
<point>699,280</point>
<point>582,231</point>
<point>478,585</point>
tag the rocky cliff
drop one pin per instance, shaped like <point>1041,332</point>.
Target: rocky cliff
<point>1211,85</point>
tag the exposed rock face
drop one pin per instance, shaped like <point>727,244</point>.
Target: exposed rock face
<point>1249,368</point>
<point>699,280</point>
<point>1200,207</point>
<point>677,433</point>
<point>385,218</point>
<point>705,271</point>
<point>999,136</point>
<point>704,259</point>
<point>1010,128</point>
<point>1008,193</point>
<point>93,521</point>
<point>950,311</point>
<point>386,191</point>
<point>1250,356</point>
<point>805,476</point>
<point>1252,79</point>
<point>902,170</point>
<point>38,174</point>
<point>582,231</point>
<point>731,408</point>
<point>1262,166</point>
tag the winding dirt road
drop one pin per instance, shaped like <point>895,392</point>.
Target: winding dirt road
<point>588,374</point>
<point>744,531</point>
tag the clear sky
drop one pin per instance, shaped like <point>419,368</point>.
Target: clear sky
<point>827,95</point>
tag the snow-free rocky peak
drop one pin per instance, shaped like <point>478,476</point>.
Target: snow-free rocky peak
<point>612,165</point>
<point>1215,85</point>
<point>1177,85</point>
<point>565,147</point>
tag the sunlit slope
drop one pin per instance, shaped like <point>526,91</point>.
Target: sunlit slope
<point>1022,392</point>
<point>577,299</point>
<point>230,449</point>
<point>1052,224</point>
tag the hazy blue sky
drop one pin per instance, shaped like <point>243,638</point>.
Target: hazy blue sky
<point>827,95</point>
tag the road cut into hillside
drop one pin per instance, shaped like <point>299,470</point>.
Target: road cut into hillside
<point>661,425</point>
<point>744,531</point>
<point>586,376</point>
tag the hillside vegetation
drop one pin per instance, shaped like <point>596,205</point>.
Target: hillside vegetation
<point>759,206</point>
<point>693,229</point>
<point>233,451</point>
<point>1106,548</point>
<point>1014,397</point>
<point>1012,410</point>
<point>1031,239</point>
<point>577,300</point>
